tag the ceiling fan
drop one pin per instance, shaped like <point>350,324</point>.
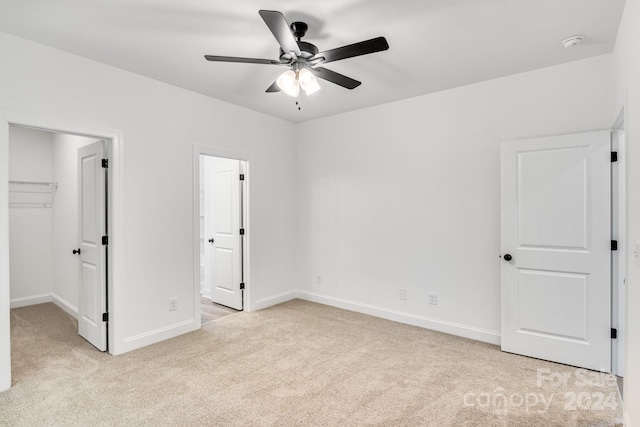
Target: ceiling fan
<point>304,59</point>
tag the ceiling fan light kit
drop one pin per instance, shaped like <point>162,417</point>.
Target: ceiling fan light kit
<point>288,83</point>
<point>308,82</point>
<point>303,58</point>
<point>291,81</point>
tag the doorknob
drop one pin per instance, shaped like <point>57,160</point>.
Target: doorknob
<point>76,251</point>
<point>210,240</point>
<point>507,257</point>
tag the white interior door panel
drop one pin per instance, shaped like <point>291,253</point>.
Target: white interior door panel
<point>556,228</point>
<point>92,302</point>
<point>222,229</point>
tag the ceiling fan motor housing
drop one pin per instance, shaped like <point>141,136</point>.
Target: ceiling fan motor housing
<point>299,29</point>
<point>307,50</point>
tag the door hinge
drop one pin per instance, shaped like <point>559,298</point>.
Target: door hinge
<point>241,285</point>
<point>614,245</point>
<point>105,317</point>
<point>614,156</point>
<point>614,333</point>
<point>242,231</point>
<point>241,177</point>
<point>105,240</point>
<point>105,163</point>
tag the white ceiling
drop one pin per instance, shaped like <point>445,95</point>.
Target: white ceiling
<point>434,44</point>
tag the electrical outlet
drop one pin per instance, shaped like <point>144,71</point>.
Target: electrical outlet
<point>173,304</point>
<point>433,298</point>
<point>318,279</point>
<point>403,294</point>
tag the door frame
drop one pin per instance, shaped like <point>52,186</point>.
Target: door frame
<point>619,304</point>
<point>115,249</point>
<point>207,150</point>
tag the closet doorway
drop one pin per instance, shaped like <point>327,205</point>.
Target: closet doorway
<point>222,206</point>
<point>58,232</point>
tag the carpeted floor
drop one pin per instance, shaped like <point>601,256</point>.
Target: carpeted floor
<point>296,364</point>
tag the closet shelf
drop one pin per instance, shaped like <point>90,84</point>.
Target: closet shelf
<point>31,193</point>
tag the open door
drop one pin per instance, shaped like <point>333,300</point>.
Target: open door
<point>222,224</point>
<point>92,302</point>
<point>556,249</point>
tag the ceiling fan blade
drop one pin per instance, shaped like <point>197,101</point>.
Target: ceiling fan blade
<point>243,60</point>
<point>280,29</point>
<point>273,88</point>
<point>337,78</point>
<point>363,48</point>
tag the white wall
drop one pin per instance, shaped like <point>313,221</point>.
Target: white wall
<point>160,124</point>
<point>31,233</point>
<point>626,66</point>
<point>66,265</point>
<point>407,194</point>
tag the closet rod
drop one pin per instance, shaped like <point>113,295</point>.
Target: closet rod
<point>33,182</point>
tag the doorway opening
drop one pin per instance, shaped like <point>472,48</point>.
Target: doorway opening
<point>113,143</point>
<point>221,235</point>
<point>607,191</point>
<point>58,210</point>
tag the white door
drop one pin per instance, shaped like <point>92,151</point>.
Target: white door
<point>556,228</point>
<point>91,193</point>
<point>223,242</point>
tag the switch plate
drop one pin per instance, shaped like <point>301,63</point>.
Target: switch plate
<point>173,304</point>
<point>403,294</point>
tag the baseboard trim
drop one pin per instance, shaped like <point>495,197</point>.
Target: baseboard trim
<point>30,300</point>
<point>152,337</point>
<point>274,299</point>
<point>452,328</point>
<point>65,305</point>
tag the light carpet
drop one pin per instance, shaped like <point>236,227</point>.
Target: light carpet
<point>295,364</point>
